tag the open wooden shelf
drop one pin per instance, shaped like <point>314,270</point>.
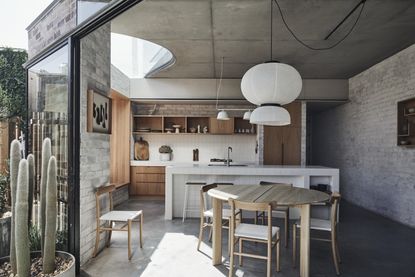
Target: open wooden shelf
<point>157,125</point>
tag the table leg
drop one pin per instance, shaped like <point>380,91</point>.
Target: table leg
<point>305,241</point>
<point>217,232</point>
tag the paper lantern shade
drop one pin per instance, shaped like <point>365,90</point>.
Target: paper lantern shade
<point>271,83</point>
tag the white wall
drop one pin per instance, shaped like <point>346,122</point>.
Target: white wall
<point>210,146</point>
<point>360,138</point>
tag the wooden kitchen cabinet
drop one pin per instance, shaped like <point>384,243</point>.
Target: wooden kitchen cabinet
<point>282,145</point>
<point>147,181</point>
<point>221,126</point>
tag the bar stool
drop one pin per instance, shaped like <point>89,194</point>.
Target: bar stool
<point>186,196</point>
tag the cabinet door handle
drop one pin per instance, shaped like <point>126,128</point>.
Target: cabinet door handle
<point>282,155</point>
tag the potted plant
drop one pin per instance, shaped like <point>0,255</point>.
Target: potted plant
<point>47,261</point>
<point>165,153</point>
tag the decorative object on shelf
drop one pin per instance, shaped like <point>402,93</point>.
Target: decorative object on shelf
<point>99,113</point>
<point>205,130</point>
<point>411,110</point>
<point>198,129</point>
<point>192,130</point>
<point>165,153</point>
<point>141,150</point>
<point>168,130</point>
<point>404,142</point>
<point>196,155</point>
<point>270,85</point>
<point>177,127</point>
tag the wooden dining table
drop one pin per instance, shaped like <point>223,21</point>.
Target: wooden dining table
<point>282,195</point>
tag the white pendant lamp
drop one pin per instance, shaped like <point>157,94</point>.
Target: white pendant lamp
<point>271,85</point>
<point>247,115</point>
<point>223,115</point>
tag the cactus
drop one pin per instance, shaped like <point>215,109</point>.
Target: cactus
<point>21,217</point>
<point>50,227</point>
<point>15,157</point>
<point>46,153</point>
<point>31,162</point>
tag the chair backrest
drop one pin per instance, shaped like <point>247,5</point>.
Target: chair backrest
<point>100,191</point>
<point>203,191</point>
<point>263,183</point>
<point>250,206</point>
<point>334,201</point>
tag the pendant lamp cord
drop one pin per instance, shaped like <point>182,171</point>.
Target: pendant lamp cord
<point>271,29</point>
<point>361,3</point>
<point>220,84</point>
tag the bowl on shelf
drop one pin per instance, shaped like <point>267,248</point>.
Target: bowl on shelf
<point>168,130</point>
<point>192,130</point>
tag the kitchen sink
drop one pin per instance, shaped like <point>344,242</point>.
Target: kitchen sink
<point>227,165</point>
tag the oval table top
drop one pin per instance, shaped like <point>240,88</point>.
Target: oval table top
<point>282,195</point>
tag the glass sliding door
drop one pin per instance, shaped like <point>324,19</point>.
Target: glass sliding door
<point>48,118</point>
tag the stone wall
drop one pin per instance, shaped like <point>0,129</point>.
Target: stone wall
<point>360,139</point>
<point>57,20</point>
<point>95,148</point>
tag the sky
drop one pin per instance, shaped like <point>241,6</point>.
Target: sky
<point>15,16</point>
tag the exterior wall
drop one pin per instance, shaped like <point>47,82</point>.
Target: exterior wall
<point>360,139</point>
<point>95,148</point>
<point>57,20</point>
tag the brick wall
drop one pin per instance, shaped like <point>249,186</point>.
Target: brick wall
<point>95,148</point>
<point>360,139</point>
<point>57,20</point>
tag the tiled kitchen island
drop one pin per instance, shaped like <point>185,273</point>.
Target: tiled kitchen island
<point>299,176</point>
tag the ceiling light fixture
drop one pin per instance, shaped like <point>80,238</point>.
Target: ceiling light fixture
<point>223,114</point>
<point>270,85</point>
<point>247,115</point>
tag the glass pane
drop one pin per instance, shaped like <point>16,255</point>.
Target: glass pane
<point>86,8</point>
<point>48,117</point>
<point>137,57</point>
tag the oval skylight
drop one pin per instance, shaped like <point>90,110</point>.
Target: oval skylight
<point>138,58</point>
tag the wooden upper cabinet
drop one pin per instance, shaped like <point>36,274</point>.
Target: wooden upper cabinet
<point>294,109</point>
<point>291,146</point>
<point>221,126</point>
<point>282,145</point>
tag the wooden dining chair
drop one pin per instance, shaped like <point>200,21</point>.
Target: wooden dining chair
<point>327,226</point>
<point>124,217</point>
<point>251,232</point>
<point>280,211</point>
<point>206,215</point>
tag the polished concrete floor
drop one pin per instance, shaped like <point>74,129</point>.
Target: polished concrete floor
<point>370,245</point>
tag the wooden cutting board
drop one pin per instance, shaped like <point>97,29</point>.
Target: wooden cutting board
<point>141,151</point>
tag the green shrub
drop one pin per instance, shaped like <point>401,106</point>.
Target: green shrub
<point>4,184</point>
<point>35,241</point>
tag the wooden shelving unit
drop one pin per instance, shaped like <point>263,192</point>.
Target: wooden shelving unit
<point>157,124</point>
<point>406,123</point>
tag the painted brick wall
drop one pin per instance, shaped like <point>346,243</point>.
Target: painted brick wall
<point>95,148</point>
<point>360,139</point>
<point>58,20</point>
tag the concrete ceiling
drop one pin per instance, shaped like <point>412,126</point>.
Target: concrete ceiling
<point>200,32</point>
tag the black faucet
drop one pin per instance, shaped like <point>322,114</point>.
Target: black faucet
<point>228,161</point>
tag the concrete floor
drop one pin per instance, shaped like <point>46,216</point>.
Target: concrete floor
<point>370,245</point>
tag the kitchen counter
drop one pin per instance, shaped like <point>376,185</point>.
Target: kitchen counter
<point>300,176</point>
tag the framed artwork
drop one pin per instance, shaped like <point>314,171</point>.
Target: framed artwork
<point>99,113</point>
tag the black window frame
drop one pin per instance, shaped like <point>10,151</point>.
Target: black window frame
<point>72,40</point>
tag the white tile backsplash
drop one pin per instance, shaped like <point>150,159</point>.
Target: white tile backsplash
<point>210,146</point>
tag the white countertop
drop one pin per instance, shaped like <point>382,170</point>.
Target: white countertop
<point>252,170</point>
